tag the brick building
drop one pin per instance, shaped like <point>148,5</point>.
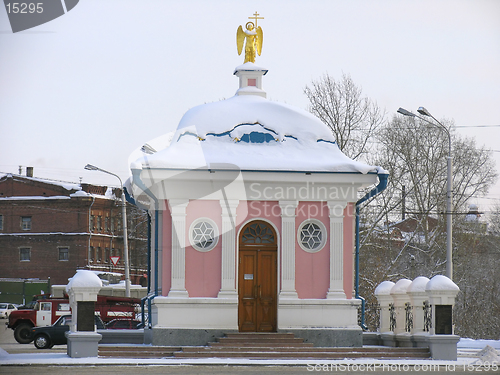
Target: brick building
<point>51,229</point>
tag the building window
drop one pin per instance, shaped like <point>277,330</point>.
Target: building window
<point>26,222</point>
<point>99,223</point>
<point>24,254</point>
<point>203,234</point>
<point>107,254</point>
<point>91,254</point>
<point>1,222</point>
<point>92,222</point>
<point>311,235</point>
<point>64,253</point>
<point>106,224</point>
<point>98,255</point>
<point>258,232</point>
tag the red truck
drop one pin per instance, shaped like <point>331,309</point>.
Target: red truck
<point>46,311</point>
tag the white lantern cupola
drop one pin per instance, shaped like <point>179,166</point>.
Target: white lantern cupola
<point>250,76</point>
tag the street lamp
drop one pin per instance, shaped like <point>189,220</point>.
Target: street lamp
<point>90,167</point>
<point>449,186</point>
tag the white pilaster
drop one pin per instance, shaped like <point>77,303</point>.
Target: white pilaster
<point>178,211</point>
<point>228,237</point>
<point>288,249</point>
<point>336,214</point>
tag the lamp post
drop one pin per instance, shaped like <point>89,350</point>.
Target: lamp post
<point>90,167</point>
<point>449,186</point>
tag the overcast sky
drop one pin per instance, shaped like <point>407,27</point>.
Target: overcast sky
<point>93,85</point>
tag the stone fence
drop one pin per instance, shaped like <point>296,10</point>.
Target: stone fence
<point>418,313</point>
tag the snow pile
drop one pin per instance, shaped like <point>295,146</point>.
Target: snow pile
<point>401,286</point>
<point>418,285</point>
<point>84,279</point>
<point>384,288</point>
<point>488,355</point>
<point>79,193</point>
<point>441,282</point>
<point>251,133</point>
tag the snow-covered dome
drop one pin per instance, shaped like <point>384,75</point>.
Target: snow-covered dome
<point>441,282</point>
<point>418,285</point>
<point>250,132</point>
<point>401,286</point>
<point>84,279</point>
<point>384,288</point>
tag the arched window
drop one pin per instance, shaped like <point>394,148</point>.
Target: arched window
<point>258,233</point>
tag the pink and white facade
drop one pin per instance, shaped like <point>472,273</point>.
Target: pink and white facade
<point>253,209</point>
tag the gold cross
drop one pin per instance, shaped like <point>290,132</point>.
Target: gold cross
<point>256,17</point>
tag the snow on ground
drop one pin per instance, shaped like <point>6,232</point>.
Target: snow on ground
<point>465,343</point>
<point>45,357</point>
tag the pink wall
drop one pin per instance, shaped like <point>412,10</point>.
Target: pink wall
<point>203,269</point>
<point>312,270</point>
<point>167,251</point>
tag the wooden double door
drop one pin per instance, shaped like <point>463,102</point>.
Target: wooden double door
<point>257,280</point>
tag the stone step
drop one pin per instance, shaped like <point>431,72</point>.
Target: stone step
<point>260,340</point>
<point>138,351</point>
<point>259,335</point>
<point>262,346</point>
<point>270,342</point>
<point>300,355</point>
<point>369,350</point>
<point>262,352</point>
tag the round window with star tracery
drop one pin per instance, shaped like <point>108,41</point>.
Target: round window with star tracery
<point>311,235</point>
<point>203,234</point>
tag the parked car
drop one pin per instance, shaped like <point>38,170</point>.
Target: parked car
<point>123,324</point>
<point>48,336</point>
<point>6,309</point>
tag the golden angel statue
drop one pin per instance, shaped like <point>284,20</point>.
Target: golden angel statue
<point>253,37</point>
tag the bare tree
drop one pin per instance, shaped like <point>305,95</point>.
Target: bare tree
<point>415,155</point>
<point>352,118</point>
<point>494,219</point>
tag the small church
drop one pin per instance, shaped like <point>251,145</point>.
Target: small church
<point>252,208</point>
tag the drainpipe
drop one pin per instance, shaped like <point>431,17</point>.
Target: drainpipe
<point>382,184</point>
<point>136,178</point>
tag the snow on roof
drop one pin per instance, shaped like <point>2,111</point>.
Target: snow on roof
<point>79,193</point>
<point>35,197</point>
<point>401,286</point>
<point>66,185</point>
<point>384,288</point>
<point>249,132</point>
<point>418,285</point>
<point>441,282</point>
<point>84,279</point>
<point>249,66</point>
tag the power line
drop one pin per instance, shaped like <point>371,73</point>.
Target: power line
<point>477,126</point>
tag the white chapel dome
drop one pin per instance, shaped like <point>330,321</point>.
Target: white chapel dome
<point>250,132</point>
